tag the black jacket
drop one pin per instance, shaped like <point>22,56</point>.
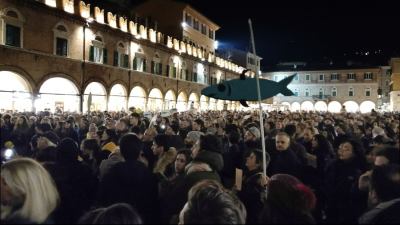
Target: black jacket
<point>131,182</point>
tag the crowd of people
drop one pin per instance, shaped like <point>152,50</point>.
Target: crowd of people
<point>184,168</point>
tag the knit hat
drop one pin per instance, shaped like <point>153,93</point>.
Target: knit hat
<point>255,131</point>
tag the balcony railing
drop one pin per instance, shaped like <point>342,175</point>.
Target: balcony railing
<point>321,96</point>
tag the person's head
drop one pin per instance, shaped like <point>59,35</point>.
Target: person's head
<point>210,143</point>
<point>122,126</point>
<point>91,216</point>
<point>134,119</point>
<point>350,149</point>
<point>22,122</point>
<point>290,129</point>
<point>254,159</point>
<point>183,158</point>
<point>320,141</point>
<point>288,197</point>
<point>197,125</point>
<point>130,146</point>
<point>67,150</point>
<point>282,141</point>
<point>109,135</point>
<point>209,203</point>
<point>252,134</point>
<point>161,144</point>
<point>119,213</point>
<point>28,190</point>
<point>234,137</point>
<point>89,147</point>
<point>308,134</point>
<point>192,137</point>
<point>385,183</point>
<point>42,128</point>
<point>387,155</point>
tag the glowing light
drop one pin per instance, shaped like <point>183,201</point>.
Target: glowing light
<point>8,153</point>
<point>184,24</point>
<point>216,44</point>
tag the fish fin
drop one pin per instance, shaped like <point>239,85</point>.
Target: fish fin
<point>242,75</point>
<point>283,85</point>
<point>287,92</point>
<point>285,82</point>
<point>244,103</point>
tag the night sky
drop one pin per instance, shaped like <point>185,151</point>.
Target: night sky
<point>308,30</point>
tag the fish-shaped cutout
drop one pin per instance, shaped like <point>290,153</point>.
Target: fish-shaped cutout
<point>245,89</point>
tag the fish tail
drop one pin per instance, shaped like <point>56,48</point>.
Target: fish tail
<point>284,83</point>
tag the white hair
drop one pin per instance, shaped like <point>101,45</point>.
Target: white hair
<point>34,195</point>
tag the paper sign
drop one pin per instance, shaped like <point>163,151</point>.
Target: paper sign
<point>238,179</point>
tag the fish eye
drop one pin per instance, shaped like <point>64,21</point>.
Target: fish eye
<point>221,87</point>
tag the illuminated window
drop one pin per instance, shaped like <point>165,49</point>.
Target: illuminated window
<point>196,25</point>
<point>307,92</point>
<point>61,40</point>
<point>11,25</point>
<point>368,92</point>
<point>351,76</point>
<point>334,91</point>
<point>139,63</point>
<point>156,65</point>
<point>351,92</point>
<point>368,76</point>
<point>334,76</point>
<point>211,34</point>
<point>121,58</point>
<point>97,51</point>
<point>204,29</point>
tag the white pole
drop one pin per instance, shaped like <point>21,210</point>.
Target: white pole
<point>259,102</point>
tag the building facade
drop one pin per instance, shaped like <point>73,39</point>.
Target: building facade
<point>352,90</point>
<point>68,55</point>
<point>395,85</point>
<point>245,59</point>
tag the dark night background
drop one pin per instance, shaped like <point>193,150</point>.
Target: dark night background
<point>307,31</point>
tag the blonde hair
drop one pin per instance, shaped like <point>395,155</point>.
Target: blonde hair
<point>32,189</point>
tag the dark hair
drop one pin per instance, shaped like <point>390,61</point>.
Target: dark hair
<point>391,153</point>
<point>91,144</point>
<point>67,150</point>
<point>211,143</point>
<point>120,213</point>
<point>210,203</point>
<point>163,140</point>
<point>130,146</point>
<point>324,145</point>
<point>288,201</point>
<point>290,129</point>
<point>48,154</point>
<point>259,156</point>
<point>200,122</point>
<point>384,182</point>
<point>234,137</point>
<point>187,153</point>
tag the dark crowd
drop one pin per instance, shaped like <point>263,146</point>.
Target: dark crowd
<point>185,168</point>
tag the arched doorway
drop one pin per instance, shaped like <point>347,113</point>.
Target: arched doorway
<point>286,106</point>
<point>334,107</point>
<point>367,106</point>
<point>321,106</point>
<point>55,99</point>
<point>118,97</point>
<point>98,97</point>
<point>170,100</point>
<point>203,103</point>
<point>193,101</point>
<point>220,104</point>
<point>181,105</point>
<point>15,92</point>
<point>155,100</point>
<point>307,106</point>
<point>295,107</point>
<point>351,106</point>
<point>137,98</point>
<point>213,104</point>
